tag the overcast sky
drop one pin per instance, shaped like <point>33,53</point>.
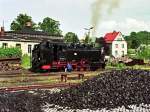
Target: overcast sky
<point>75,15</point>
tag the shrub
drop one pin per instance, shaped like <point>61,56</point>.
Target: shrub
<point>116,65</point>
<point>26,61</point>
<point>10,52</point>
<point>144,53</point>
<point>131,51</point>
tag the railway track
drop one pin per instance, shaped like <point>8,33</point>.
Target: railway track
<point>33,87</point>
<point>29,81</point>
<point>31,74</point>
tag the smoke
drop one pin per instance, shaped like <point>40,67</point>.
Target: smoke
<point>114,4</point>
<point>96,15</point>
<point>97,11</point>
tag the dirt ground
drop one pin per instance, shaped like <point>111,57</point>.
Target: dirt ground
<point>25,78</point>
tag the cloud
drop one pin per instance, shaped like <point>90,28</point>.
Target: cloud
<point>126,26</point>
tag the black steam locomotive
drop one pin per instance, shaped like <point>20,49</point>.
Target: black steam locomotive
<point>48,56</point>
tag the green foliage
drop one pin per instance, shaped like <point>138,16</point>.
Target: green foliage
<point>144,53</point>
<point>87,39</point>
<point>131,51</point>
<point>135,39</point>
<point>20,22</point>
<point>119,65</point>
<point>116,65</point>
<point>26,61</point>
<point>50,26</point>
<point>71,37</point>
<point>10,52</point>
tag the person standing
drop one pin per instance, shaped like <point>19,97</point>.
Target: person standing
<point>69,67</point>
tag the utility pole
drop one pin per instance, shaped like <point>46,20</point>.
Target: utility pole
<point>89,30</point>
<point>3,23</point>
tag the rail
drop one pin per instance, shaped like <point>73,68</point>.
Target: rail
<point>32,87</point>
<point>10,59</point>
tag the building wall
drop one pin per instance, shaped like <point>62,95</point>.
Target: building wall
<point>24,45</point>
<point>119,46</point>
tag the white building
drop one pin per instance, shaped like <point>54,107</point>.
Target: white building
<point>116,43</point>
<point>25,39</point>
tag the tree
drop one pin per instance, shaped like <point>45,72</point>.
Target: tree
<point>144,53</point>
<point>135,39</point>
<point>20,22</point>
<point>71,37</point>
<point>135,44</point>
<point>50,26</point>
<point>87,39</point>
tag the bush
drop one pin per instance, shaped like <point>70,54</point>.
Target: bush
<point>10,52</point>
<point>26,61</point>
<point>131,51</point>
<point>116,65</point>
<point>144,53</point>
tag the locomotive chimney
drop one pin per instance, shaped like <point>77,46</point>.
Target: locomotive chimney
<point>28,24</point>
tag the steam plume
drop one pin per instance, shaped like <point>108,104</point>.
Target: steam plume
<point>96,15</point>
<point>97,9</point>
<point>114,4</point>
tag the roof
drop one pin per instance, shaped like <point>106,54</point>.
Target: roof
<point>110,37</point>
<point>27,39</point>
<point>27,34</point>
<point>30,31</point>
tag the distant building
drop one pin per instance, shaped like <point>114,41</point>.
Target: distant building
<point>116,43</point>
<point>25,39</point>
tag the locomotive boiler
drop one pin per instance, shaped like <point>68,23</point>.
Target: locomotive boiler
<point>48,56</point>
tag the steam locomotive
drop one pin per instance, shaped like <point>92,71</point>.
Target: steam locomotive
<point>48,56</point>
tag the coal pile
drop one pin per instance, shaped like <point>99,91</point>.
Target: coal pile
<point>123,90</point>
<point>108,90</point>
<point>20,102</point>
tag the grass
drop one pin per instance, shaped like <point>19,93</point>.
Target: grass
<point>142,67</point>
<point>121,67</point>
<point>117,66</point>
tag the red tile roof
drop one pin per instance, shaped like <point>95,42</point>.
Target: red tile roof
<point>110,37</point>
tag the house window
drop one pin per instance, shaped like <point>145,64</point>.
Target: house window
<point>116,52</point>
<point>122,45</point>
<point>29,48</point>
<point>116,45</point>
<point>18,46</point>
<point>120,39</point>
<point>4,45</point>
<point>122,53</point>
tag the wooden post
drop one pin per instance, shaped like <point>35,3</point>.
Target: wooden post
<point>80,76</point>
<point>63,77</point>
